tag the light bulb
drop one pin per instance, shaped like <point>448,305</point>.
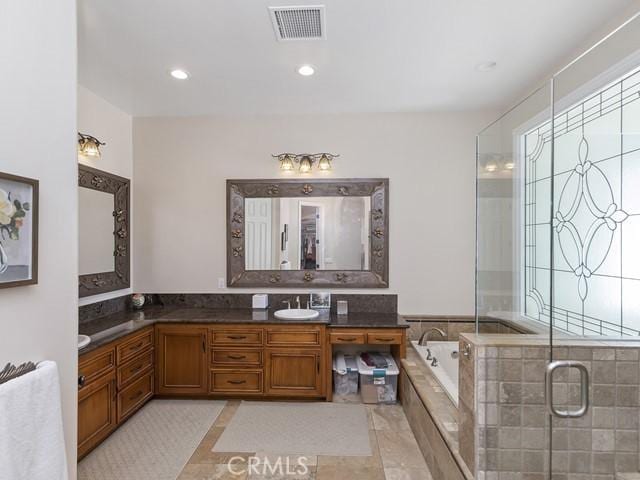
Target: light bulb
<point>305,164</point>
<point>286,164</point>
<point>491,167</point>
<point>324,163</point>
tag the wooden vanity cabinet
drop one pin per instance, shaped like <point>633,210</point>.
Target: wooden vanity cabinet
<point>181,367</point>
<point>114,381</point>
<point>97,401</point>
<point>270,360</point>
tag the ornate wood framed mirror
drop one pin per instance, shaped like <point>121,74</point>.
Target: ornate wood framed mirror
<point>103,205</point>
<point>308,233</point>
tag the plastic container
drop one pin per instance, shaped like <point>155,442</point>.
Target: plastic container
<point>378,385</point>
<point>345,374</point>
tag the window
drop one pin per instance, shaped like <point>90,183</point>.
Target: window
<point>590,206</point>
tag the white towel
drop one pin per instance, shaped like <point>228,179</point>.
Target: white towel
<point>31,434</point>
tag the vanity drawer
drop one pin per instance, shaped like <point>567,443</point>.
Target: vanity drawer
<point>236,337</point>
<point>387,338</point>
<point>95,364</point>
<point>134,368</point>
<point>347,337</point>
<point>236,357</point>
<point>138,343</point>
<point>291,336</point>
<point>235,381</point>
<point>133,396</point>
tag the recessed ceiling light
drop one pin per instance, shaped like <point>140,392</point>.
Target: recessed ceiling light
<point>179,74</point>
<point>486,66</point>
<point>306,70</point>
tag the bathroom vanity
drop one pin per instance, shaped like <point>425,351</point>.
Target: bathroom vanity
<point>178,352</point>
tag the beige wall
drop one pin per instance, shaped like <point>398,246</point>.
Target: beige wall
<point>38,140</point>
<point>99,118</point>
<point>181,165</point>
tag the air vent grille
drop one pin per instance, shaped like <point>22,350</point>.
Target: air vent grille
<point>298,23</point>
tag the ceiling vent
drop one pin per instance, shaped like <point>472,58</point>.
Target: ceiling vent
<point>298,23</point>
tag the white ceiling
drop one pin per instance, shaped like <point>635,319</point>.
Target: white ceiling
<point>382,55</point>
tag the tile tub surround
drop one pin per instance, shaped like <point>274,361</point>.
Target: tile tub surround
<point>453,326</point>
<point>433,419</point>
<point>511,419</point>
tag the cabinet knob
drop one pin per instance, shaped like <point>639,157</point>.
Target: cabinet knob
<point>81,380</point>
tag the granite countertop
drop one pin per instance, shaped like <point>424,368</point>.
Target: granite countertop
<point>106,329</point>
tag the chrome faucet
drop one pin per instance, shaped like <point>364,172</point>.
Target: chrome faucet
<point>424,338</point>
<point>298,301</point>
<point>288,302</point>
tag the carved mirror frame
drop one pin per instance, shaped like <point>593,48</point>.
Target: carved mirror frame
<point>119,278</point>
<point>376,277</point>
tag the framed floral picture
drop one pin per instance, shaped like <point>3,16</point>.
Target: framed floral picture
<point>18,231</point>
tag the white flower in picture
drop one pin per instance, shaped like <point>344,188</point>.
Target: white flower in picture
<point>7,208</point>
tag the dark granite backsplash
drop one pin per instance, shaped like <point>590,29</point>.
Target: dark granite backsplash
<point>357,303</point>
<point>86,313</point>
<point>361,303</point>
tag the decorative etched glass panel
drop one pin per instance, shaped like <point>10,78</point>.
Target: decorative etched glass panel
<point>591,211</point>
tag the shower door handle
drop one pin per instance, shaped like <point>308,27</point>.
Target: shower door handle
<point>584,389</point>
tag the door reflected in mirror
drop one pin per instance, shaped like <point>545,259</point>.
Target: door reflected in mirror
<point>319,233</point>
<point>95,231</point>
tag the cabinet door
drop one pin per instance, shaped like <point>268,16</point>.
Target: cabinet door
<point>182,360</point>
<point>294,372</point>
<point>96,412</point>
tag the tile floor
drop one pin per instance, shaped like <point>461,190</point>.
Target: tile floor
<point>396,455</point>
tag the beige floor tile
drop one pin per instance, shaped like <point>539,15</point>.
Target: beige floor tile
<point>197,471</point>
<point>389,417</point>
<point>407,474</point>
<point>338,472</point>
<point>399,449</point>
<point>293,459</point>
<point>227,413</point>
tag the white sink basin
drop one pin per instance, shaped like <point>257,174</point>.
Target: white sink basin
<point>296,314</point>
<point>83,341</point>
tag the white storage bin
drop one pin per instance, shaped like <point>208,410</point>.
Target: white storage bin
<point>379,385</point>
<point>345,374</point>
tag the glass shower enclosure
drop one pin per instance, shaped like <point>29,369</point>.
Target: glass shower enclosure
<point>558,258</point>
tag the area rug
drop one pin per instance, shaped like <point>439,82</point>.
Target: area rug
<point>154,444</point>
<point>297,428</point>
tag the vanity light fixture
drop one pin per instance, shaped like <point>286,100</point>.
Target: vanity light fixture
<point>89,146</point>
<point>305,161</point>
<point>324,163</point>
<point>509,165</point>
<point>286,163</point>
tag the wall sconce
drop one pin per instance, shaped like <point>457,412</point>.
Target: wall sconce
<point>89,146</point>
<point>305,161</point>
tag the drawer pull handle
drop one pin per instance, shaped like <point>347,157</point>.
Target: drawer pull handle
<point>236,357</point>
<point>379,339</point>
<point>348,339</point>
<point>136,369</point>
<point>137,346</point>
<point>138,394</point>
<point>237,337</point>
<point>81,380</point>
<point>236,382</point>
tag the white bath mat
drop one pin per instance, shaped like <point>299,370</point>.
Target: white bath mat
<point>297,428</point>
<point>154,444</point>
